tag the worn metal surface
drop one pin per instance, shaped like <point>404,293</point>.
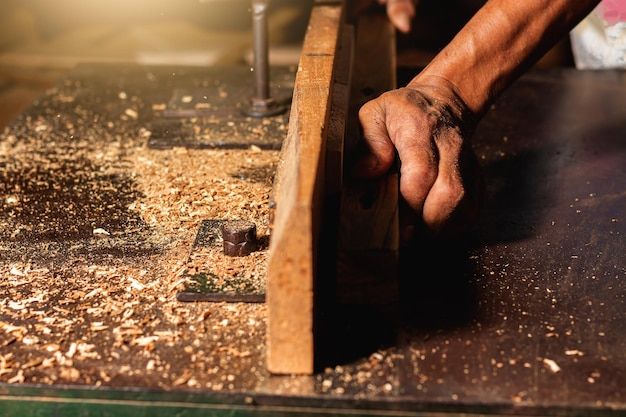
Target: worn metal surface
<point>525,317</point>
<point>204,285</point>
<point>531,310</point>
<point>95,234</point>
<point>202,109</point>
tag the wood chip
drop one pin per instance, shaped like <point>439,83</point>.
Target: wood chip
<point>551,365</point>
<point>132,114</point>
<point>145,340</point>
<point>17,379</point>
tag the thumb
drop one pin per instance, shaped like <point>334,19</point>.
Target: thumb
<point>401,13</point>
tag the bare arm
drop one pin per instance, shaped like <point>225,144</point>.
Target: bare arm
<point>430,121</point>
<point>500,42</point>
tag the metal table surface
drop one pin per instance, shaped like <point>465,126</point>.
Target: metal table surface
<point>527,316</point>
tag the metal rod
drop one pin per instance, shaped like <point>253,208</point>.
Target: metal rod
<point>261,104</point>
<point>261,49</point>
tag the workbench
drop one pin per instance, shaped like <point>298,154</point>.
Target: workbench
<point>524,316</point>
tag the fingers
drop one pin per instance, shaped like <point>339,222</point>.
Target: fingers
<point>434,162</point>
<point>401,13</point>
<point>381,151</point>
<point>405,130</point>
<point>417,175</point>
<point>448,190</point>
<point>418,170</point>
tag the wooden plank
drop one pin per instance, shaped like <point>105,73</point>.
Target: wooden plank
<point>299,200</point>
<point>339,113</point>
<point>374,69</point>
<point>369,220</point>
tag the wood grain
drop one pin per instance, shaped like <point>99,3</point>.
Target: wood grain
<point>369,221</point>
<point>340,101</point>
<point>298,197</point>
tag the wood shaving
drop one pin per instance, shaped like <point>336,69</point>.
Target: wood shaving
<point>551,365</point>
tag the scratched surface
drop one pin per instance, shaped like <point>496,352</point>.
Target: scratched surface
<point>532,309</point>
<point>527,316</point>
<point>529,311</point>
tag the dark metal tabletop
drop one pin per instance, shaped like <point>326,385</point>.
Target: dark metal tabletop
<point>527,316</point>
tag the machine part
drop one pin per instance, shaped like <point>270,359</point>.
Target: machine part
<point>237,238</point>
<point>262,104</point>
<point>544,254</point>
<point>264,108</point>
<point>239,231</point>
<point>202,109</point>
<point>239,249</point>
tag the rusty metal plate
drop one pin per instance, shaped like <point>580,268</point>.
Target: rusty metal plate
<point>204,281</point>
<point>204,111</point>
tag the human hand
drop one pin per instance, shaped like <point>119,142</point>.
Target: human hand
<point>400,12</point>
<point>428,124</point>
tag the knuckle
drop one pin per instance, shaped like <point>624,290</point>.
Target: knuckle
<point>381,147</point>
<point>401,97</point>
<point>423,174</point>
<point>372,113</point>
<point>366,110</point>
<point>456,140</point>
<point>450,144</point>
<point>453,192</point>
<point>413,194</point>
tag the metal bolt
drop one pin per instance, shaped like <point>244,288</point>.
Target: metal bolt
<point>239,238</point>
<point>261,104</point>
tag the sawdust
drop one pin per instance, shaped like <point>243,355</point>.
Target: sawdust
<point>96,231</point>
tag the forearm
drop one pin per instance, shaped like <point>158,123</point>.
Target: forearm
<point>501,41</point>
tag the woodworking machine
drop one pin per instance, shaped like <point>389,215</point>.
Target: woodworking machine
<point>523,317</point>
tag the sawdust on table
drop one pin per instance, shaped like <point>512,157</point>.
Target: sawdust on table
<point>96,236</point>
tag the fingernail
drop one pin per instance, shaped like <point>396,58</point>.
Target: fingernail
<point>403,23</point>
